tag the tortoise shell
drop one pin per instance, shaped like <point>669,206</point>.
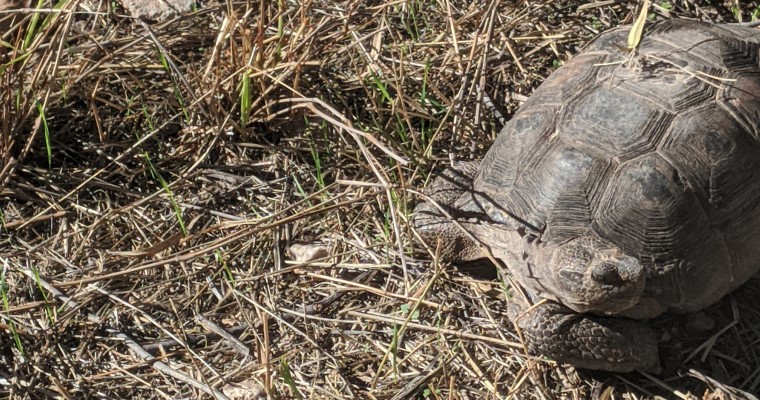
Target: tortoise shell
<point>655,151</point>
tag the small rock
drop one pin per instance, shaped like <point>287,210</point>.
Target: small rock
<point>156,10</point>
<point>245,390</point>
<point>306,252</point>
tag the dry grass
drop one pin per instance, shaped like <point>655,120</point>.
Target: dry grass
<point>153,177</point>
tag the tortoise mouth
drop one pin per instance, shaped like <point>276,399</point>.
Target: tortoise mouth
<point>607,305</point>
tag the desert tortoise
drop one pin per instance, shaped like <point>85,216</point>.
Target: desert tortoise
<point>627,185</point>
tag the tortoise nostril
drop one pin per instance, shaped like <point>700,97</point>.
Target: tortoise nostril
<point>607,273</point>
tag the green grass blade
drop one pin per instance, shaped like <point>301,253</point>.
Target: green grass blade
<point>7,307</point>
<point>41,111</point>
<point>245,98</point>
<point>164,185</point>
<point>288,378</point>
<point>48,310</point>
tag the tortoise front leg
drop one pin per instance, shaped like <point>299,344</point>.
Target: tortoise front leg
<point>586,341</point>
<point>434,226</point>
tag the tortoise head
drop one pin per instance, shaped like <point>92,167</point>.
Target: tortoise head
<point>590,275</point>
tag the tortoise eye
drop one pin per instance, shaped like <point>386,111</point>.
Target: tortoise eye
<point>571,278</point>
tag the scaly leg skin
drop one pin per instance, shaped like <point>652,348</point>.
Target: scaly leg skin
<point>587,341</point>
<point>435,226</point>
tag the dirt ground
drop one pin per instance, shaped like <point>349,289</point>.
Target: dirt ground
<point>218,203</point>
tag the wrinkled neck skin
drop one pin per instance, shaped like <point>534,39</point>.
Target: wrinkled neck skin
<point>586,274</point>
